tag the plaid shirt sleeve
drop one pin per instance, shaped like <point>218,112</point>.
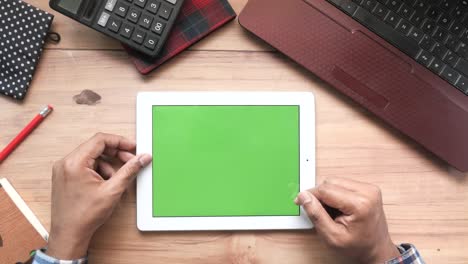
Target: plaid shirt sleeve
<point>41,258</point>
<point>409,255</point>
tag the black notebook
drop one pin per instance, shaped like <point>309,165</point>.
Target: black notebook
<point>23,30</point>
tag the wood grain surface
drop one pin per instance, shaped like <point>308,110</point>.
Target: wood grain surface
<point>425,200</point>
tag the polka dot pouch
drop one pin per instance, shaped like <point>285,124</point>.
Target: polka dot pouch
<point>23,30</point>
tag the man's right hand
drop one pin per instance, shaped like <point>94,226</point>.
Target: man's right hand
<point>361,230</point>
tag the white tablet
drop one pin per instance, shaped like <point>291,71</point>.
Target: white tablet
<point>224,160</point>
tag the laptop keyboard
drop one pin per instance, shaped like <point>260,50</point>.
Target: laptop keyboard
<point>433,32</point>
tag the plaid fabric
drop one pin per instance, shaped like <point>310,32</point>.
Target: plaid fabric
<point>409,255</point>
<point>41,258</point>
<point>196,19</point>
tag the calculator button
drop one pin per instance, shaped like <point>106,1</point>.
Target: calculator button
<point>138,36</point>
<point>145,21</point>
<point>172,1</point>
<point>122,9</point>
<point>158,26</point>
<point>151,42</point>
<point>152,6</point>
<point>103,19</point>
<point>126,30</point>
<point>165,11</point>
<point>114,25</point>
<point>110,4</point>
<point>140,3</point>
<point>133,15</point>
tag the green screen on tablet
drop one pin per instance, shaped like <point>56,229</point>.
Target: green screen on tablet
<point>225,160</point>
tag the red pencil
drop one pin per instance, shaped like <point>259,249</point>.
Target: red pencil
<point>25,132</point>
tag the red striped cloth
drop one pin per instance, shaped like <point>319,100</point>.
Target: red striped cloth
<point>197,19</point>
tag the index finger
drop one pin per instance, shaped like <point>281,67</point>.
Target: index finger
<point>96,146</point>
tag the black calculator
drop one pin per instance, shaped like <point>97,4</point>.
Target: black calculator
<point>143,25</point>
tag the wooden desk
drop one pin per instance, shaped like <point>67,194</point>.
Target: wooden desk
<point>426,202</point>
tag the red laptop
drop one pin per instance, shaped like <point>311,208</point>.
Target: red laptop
<point>404,60</point>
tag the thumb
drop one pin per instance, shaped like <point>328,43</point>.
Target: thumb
<point>127,173</point>
<point>323,223</point>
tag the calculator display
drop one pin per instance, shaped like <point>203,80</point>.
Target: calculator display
<point>71,6</point>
